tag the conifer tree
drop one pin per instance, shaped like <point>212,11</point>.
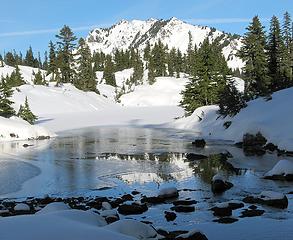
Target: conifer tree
<point>66,45</point>
<point>157,62</point>
<point>253,54</point>
<point>86,79</point>
<point>207,84</point>
<point>6,109</point>
<point>147,52</point>
<point>9,59</point>
<point>26,114</point>
<point>287,56</point>
<point>172,55</point>
<point>38,78</point>
<point>276,50</point>
<point>231,101</point>
<point>45,63</point>
<point>29,59</point>
<point>15,78</point>
<point>109,70</point>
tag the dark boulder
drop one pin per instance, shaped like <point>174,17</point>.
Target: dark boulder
<point>170,216</point>
<point>132,209</point>
<point>195,157</point>
<point>183,208</point>
<point>219,186</point>
<point>199,143</point>
<point>222,211</point>
<point>226,220</point>
<point>251,213</point>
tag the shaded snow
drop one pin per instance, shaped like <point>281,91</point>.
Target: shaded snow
<point>283,167</point>
<point>273,118</point>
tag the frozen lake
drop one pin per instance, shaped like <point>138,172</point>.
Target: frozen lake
<point>112,161</point>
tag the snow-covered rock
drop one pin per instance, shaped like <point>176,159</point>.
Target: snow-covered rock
<point>133,228</point>
<point>21,207</point>
<point>54,207</point>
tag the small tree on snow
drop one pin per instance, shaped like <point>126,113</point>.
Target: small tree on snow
<point>26,114</point>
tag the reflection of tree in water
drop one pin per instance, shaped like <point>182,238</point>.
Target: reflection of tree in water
<point>207,168</point>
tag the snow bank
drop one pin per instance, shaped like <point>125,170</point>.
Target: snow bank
<point>166,91</point>
<point>17,129</point>
<point>272,118</point>
<point>69,224</point>
<point>133,228</point>
<point>283,167</point>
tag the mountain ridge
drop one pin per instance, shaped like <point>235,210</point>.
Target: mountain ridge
<point>172,32</point>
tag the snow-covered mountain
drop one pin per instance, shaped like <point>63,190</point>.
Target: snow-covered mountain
<point>172,32</point>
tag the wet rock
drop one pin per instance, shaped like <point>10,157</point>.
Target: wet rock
<point>195,157</point>
<point>168,193</point>
<point>182,208</point>
<point>270,147</point>
<point>226,220</point>
<point>235,205</point>
<point>251,213</point>
<point>222,211</point>
<point>153,200</point>
<point>192,235</point>
<point>269,198</point>
<point>170,235</point>
<point>252,207</point>
<point>135,192</point>
<point>170,216</point>
<point>43,137</point>
<point>132,209</point>
<point>27,145</point>
<point>254,144</point>
<point>111,219</point>
<point>184,202</point>
<point>219,185</point>
<point>199,143</point>
<point>127,197</point>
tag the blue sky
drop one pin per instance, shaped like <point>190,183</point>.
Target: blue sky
<point>35,22</point>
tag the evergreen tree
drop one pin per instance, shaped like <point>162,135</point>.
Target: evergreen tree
<point>287,54</point>
<point>231,101</point>
<point>86,79</point>
<point>147,52</point>
<point>9,59</point>
<point>66,46</point>
<point>275,55</point>
<point>29,59</point>
<point>109,70</point>
<point>26,114</point>
<point>207,84</point>
<point>52,62</point>
<point>15,78</point>
<point>157,62</point>
<point>38,78</point>
<point>253,54</point>
<point>138,69</point>
<point>6,109</point>
<point>45,63</point>
<point>172,62</point>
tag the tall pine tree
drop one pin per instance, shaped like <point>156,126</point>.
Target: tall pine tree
<point>66,44</point>
<point>253,54</point>
<point>86,79</point>
<point>6,109</point>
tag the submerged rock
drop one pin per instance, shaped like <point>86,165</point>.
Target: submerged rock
<point>226,220</point>
<point>251,213</point>
<point>183,208</point>
<point>132,209</point>
<point>170,216</point>
<point>269,198</point>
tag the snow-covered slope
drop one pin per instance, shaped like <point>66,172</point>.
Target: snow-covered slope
<point>26,72</point>
<point>45,100</point>
<point>166,91</point>
<point>172,32</point>
<point>272,118</point>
